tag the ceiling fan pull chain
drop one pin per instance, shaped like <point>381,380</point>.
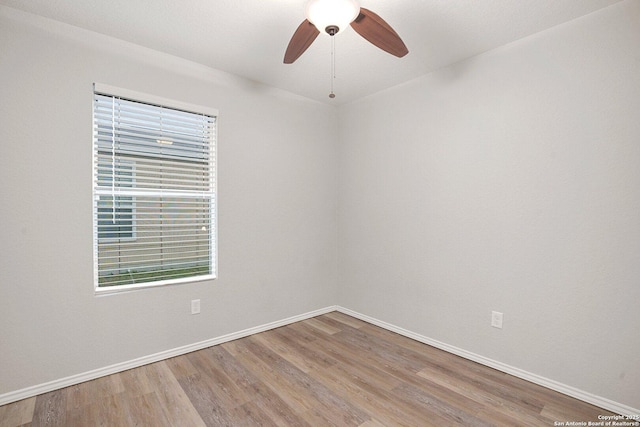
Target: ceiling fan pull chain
<point>333,65</point>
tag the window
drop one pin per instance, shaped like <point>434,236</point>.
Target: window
<point>116,216</point>
<point>154,188</point>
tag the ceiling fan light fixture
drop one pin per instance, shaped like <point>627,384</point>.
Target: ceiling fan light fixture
<point>326,14</point>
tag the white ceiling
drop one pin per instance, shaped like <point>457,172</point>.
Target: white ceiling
<point>248,37</point>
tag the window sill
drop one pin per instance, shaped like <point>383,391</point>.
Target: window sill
<point>110,290</point>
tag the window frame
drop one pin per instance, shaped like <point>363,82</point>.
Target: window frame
<point>107,90</point>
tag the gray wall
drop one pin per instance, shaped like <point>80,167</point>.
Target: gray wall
<point>277,206</point>
<point>507,182</point>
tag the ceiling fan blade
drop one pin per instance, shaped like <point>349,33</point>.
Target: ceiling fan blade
<point>301,40</point>
<point>379,33</point>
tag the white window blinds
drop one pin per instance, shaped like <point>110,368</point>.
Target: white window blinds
<point>154,192</point>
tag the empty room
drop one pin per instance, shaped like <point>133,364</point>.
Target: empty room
<point>327,212</point>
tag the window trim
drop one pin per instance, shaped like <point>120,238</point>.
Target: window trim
<point>103,89</point>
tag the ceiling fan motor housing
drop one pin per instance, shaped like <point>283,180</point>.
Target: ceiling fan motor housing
<point>332,30</point>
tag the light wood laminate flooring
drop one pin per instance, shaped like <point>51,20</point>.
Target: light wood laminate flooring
<point>329,370</point>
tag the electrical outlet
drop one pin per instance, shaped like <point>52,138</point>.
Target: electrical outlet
<point>195,306</point>
<point>496,319</point>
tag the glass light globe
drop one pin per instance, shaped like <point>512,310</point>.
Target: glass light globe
<point>326,13</point>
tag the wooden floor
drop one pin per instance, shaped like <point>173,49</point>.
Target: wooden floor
<point>329,370</point>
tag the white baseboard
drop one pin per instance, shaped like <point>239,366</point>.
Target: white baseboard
<point>25,393</point>
<point>601,402</point>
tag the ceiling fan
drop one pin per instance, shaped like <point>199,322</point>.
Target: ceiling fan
<point>333,16</point>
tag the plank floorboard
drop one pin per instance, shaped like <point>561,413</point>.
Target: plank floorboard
<point>205,399</point>
<point>18,413</point>
<point>50,410</point>
<point>331,370</point>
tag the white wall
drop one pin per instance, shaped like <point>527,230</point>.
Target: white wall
<point>277,206</point>
<point>508,182</point>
